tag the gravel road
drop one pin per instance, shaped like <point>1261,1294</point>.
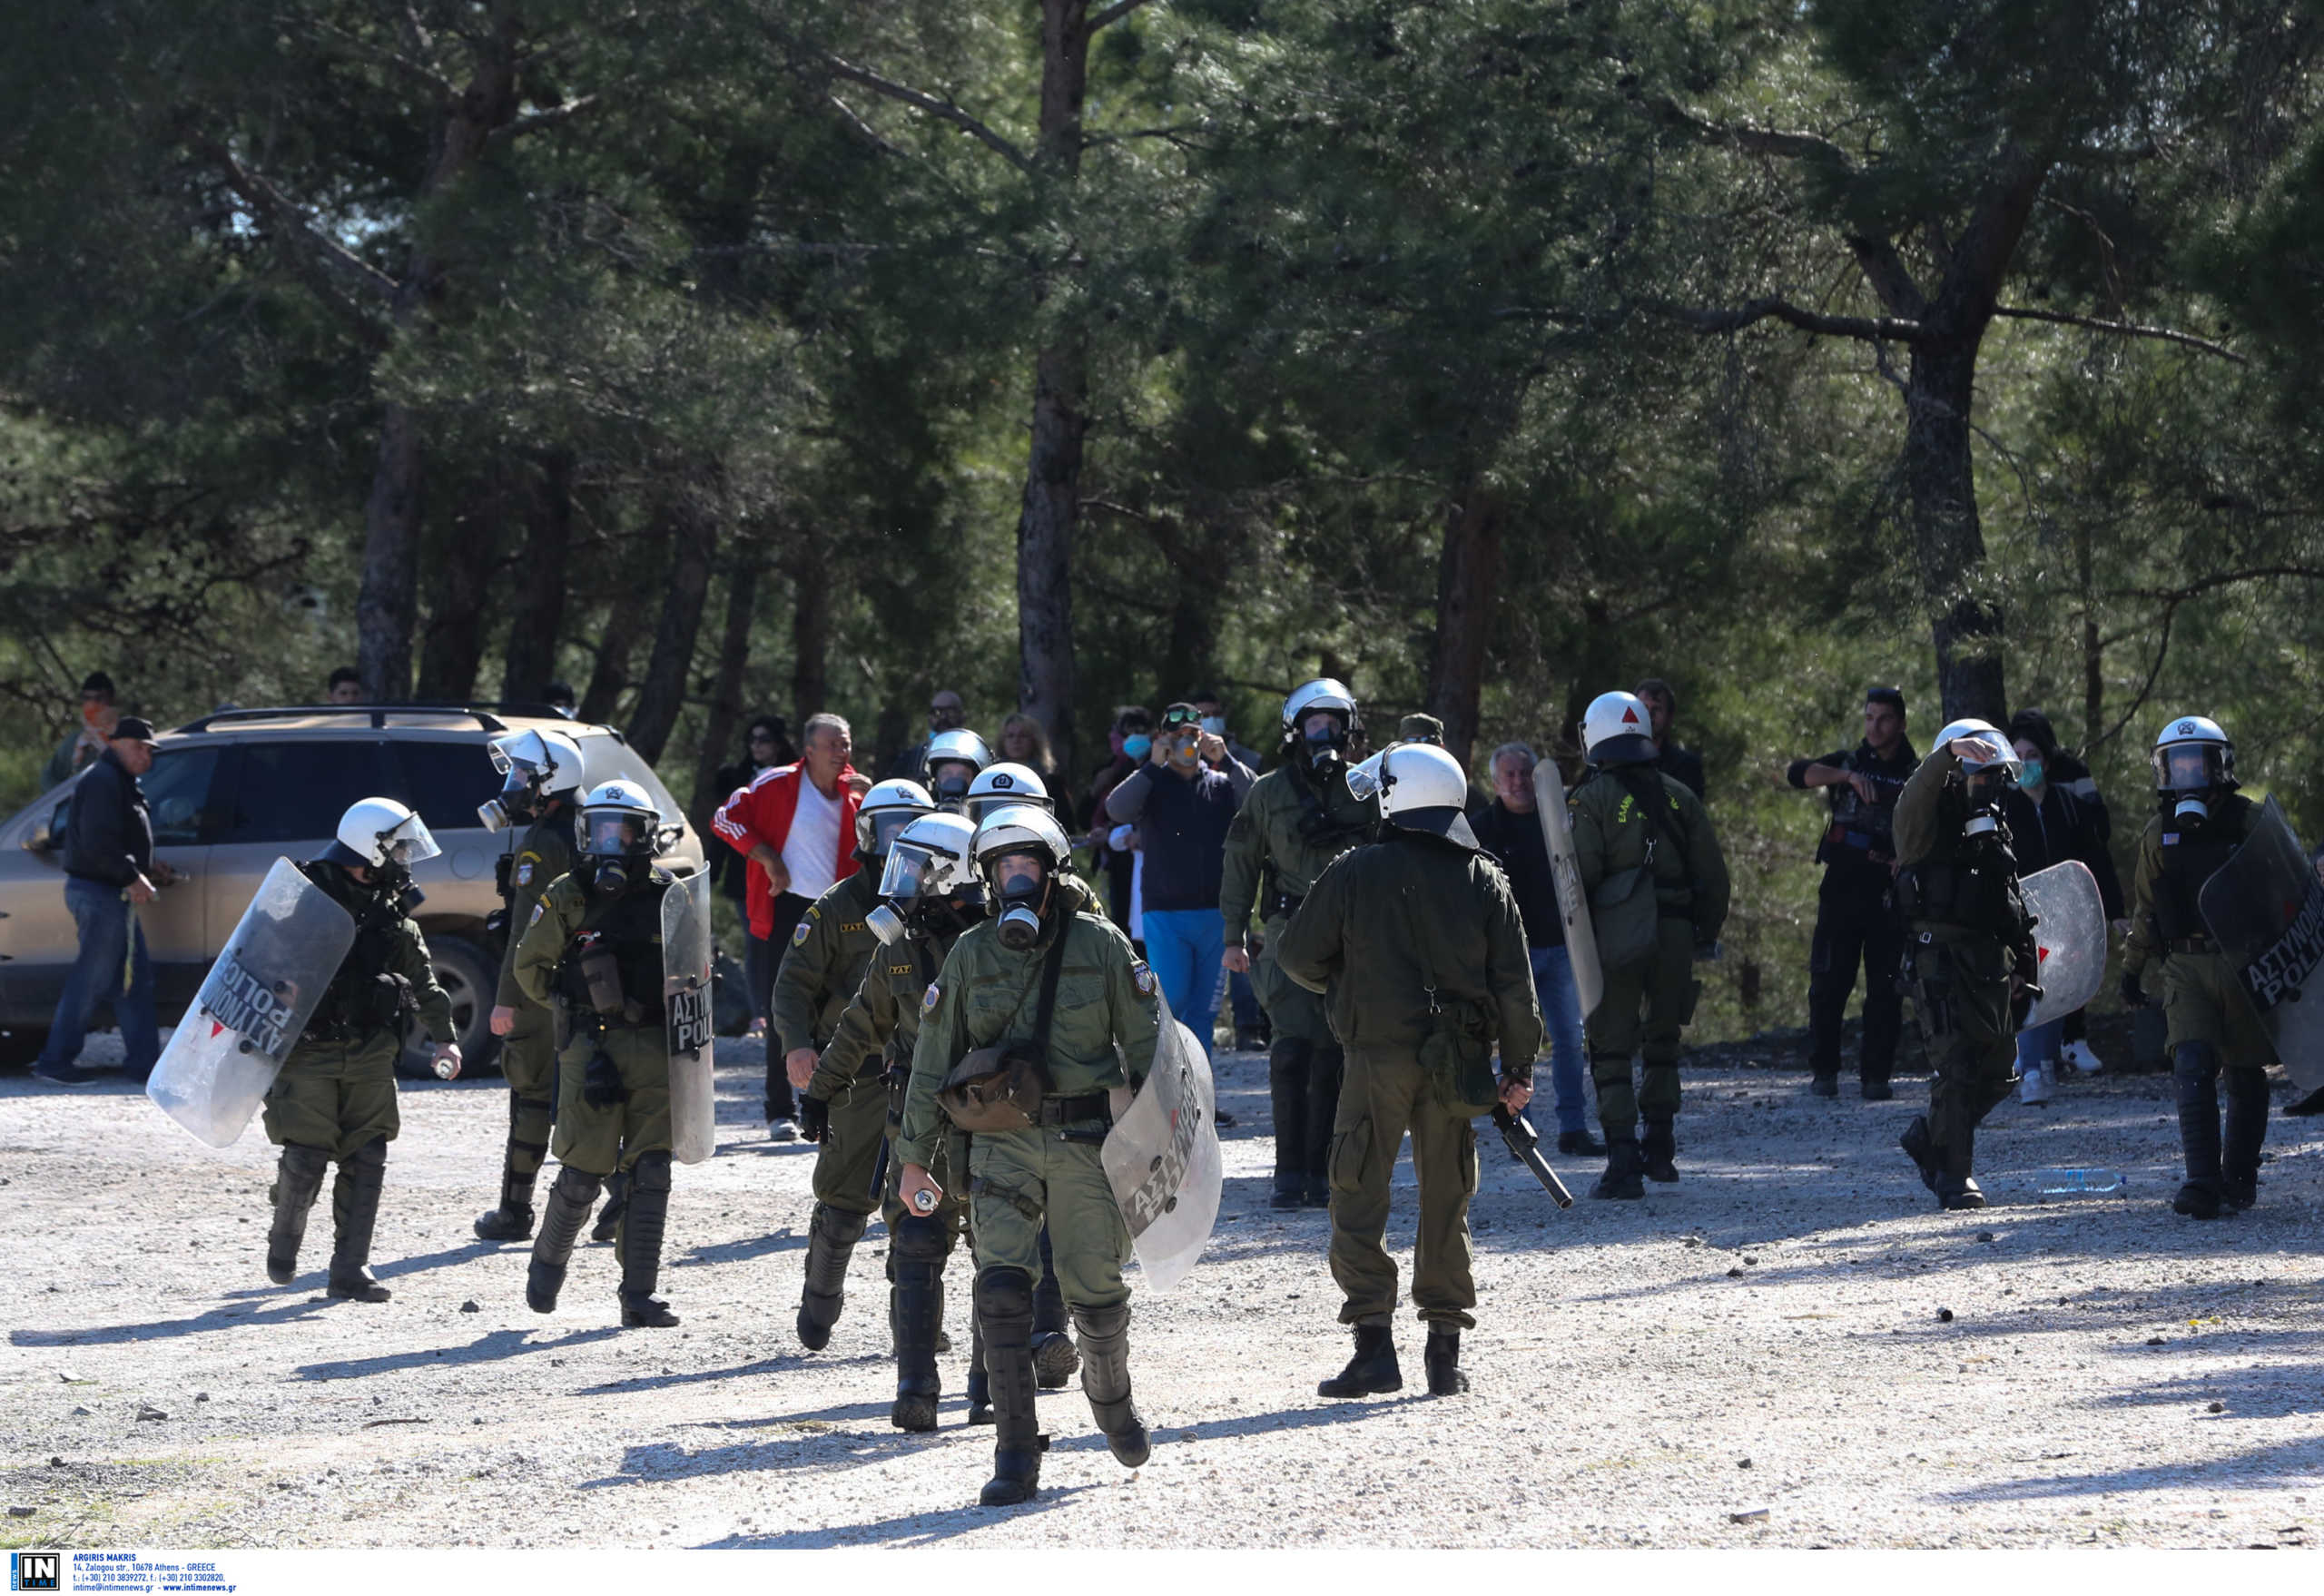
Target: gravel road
<point>1790,1347</point>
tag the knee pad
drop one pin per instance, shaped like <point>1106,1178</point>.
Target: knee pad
<point>578,1186</point>
<point>1004,1292</point>
<point>651,1172</point>
<point>2245,1085</point>
<point>918,1240</point>
<point>835,1225</point>
<point>303,1160</point>
<point>2194,1061</point>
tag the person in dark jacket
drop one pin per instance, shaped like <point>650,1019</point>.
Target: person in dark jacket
<point>1510,829</point>
<point>1182,800</point>
<point>2063,770</point>
<point>769,745</point>
<point>1681,765</point>
<point>1132,736</point>
<point>108,871</point>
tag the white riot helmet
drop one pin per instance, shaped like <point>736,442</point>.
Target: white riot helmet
<point>1022,896</point>
<point>931,860</point>
<point>381,833</point>
<point>886,810</point>
<point>951,789</point>
<point>999,785</point>
<point>538,765</point>
<point>619,825</point>
<point>2192,756</point>
<point>1616,729</point>
<point>1326,693</point>
<point>1420,788</point>
<point>1995,766</point>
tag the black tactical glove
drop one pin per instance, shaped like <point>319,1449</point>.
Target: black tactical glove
<point>2133,995</point>
<point>814,1119</point>
<point>601,1085</point>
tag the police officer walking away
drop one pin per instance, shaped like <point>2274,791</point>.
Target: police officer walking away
<point>2214,1033</point>
<point>1417,943</point>
<point>1855,909</point>
<point>1296,820</point>
<point>1969,947</point>
<point>594,950</point>
<point>335,1098</point>
<point>820,972</point>
<point>544,776</point>
<point>1658,894</point>
<point>1092,1034</point>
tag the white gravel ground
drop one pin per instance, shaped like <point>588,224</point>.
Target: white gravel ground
<point>1753,1356</point>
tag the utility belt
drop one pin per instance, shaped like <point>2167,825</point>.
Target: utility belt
<point>1871,844</point>
<point>1282,904</point>
<point>1074,1110</point>
<point>343,1033</point>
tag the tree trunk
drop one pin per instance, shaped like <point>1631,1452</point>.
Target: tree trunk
<point>662,694</point>
<point>529,664</point>
<point>388,604</point>
<point>1465,575</point>
<point>1941,480</point>
<point>452,646</point>
<point>725,694</point>
<point>610,676</point>
<point>811,633</point>
<point>2093,652</point>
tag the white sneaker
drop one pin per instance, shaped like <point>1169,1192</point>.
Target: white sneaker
<point>2081,1058</point>
<point>782,1130</point>
<point>2035,1087</point>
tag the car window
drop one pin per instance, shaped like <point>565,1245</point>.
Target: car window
<point>445,780</point>
<point>293,792</point>
<point>177,792</point>
<point>608,759</point>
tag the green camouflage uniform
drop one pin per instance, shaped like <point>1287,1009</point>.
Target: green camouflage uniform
<point>1386,925</point>
<point>528,1052</point>
<point>882,1022</point>
<point>1281,839</point>
<point>820,971</point>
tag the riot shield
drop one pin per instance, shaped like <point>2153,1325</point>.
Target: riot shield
<point>686,1013</point>
<point>1162,1158</point>
<point>2069,939</point>
<point>2265,910</point>
<point>1573,903</point>
<point>251,1008</point>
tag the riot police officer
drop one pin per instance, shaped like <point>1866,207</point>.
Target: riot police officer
<point>593,951</point>
<point>1658,894</point>
<point>950,764</point>
<point>1969,948</point>
<point>1296,820</point>
<point>1092,1034</point>
<point>544,776</point>
<point>2203,819</point>
<point>930,894</point>
<point>1855,907</point>
<point>821,971</point>
<point>1416,942</point>
<point>334,1101</point>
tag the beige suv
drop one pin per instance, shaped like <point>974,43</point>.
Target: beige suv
<point>232,792</point>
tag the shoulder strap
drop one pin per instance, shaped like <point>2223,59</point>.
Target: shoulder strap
<point>1051,968</point>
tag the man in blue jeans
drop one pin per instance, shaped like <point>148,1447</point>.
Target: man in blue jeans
<point>1511,830</point>
<point>108,871</point>
<point>1182,800</point>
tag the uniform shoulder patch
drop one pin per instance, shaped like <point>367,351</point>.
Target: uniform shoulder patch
<point>525,872</point>
<point>1142,977</point>
<point>539,909</point>
<point>798,933</point>
<point>927,1000</point>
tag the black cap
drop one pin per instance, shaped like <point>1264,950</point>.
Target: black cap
<point>1887,695</point>
<point>98,682</point>
<point>132,728</point>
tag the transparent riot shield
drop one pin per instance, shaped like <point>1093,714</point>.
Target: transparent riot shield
<point>687,1011</point>
<point>1573,903</point>
<point>2265,909</point>
<point>1162,1158</point>
<point>2068,938</point>
<point>251,1008</point>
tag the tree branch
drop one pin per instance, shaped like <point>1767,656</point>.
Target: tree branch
<point>533,119</point>
<point>1757,141</point>
<point>2122,330</point>
<point>944,110</point>
<point>1872,329</point>
<point>330,258</point>
<point>1112,13</point>
<point>1885,271</point>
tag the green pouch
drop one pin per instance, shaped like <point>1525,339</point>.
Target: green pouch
<point>1457,1055</point>
<point>1626,917</point>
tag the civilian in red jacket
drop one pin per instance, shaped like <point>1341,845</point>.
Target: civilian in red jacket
<point>797,826</point>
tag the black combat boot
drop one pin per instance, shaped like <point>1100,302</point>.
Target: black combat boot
<point>1825,1086</point>
<point>1289,1191</point>
<point>1877,1089</point>
<point>1442,1359</point>
<point>2194,1069</point>
<point>1105,1380</point>
<point>980,1381</point>
<point>1580,1144</point>
<point>1922,1150</point>
<point>1373,1371</point>
<point>1624,1170</point>
<point>608,1225</point>
<point>1318,1194</point>
<point>2247,1132</point>
<point>1657,1150</point>
<point>512,1219</point>
<point>643,1225</point>
<point>567,1209</point>
<point>1055,1358</point>
<point>916,1254</point>
<point>832,1235</point>
<point>298,1181</point>
<point>1955,1186</point>
<point>354,1211</point>
<point>1005,1302</point>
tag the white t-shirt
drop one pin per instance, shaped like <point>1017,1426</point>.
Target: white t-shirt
<point>811,852</point>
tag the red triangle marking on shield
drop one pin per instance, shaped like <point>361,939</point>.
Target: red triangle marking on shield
<point>215,1027</point>
<point>2041,953</point>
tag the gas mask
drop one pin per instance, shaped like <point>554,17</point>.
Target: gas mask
<point>2190,809</point>
<point>515,804</point>
<point>885,923</point>
<point>613,877</point>
<point>1324,750</point>
<point>949,917</point>
<point>1024,888</point>
<point>950,785</point>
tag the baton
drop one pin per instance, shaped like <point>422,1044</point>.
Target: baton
<point>1524,1146</point>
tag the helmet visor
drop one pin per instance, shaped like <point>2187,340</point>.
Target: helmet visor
<point>1366,781</point>
<point>1991,748</point>
<point>607,832</point>
<point>409,843</point>
<point>882,825</point>
<point>913,873</point>
<point>2188,767</point>
<point>1018,875</point>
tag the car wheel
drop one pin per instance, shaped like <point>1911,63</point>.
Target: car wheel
<point>20,1046</point>
<point>469,980</point>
